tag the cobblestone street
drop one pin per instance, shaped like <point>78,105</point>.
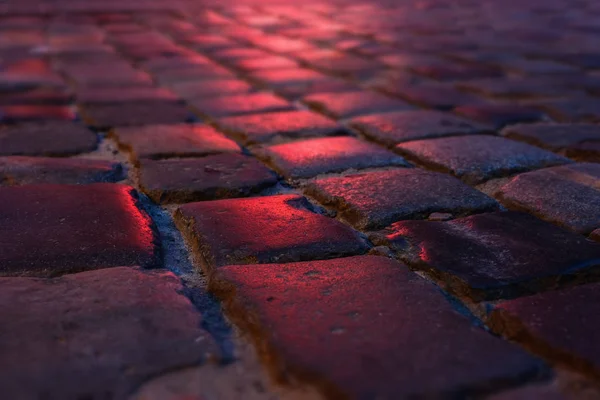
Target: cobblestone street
<point>260,200</point>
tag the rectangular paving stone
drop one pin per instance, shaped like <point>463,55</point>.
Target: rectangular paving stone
<point>37,96</point>
<point>96,334</point>
<point>195,73</point>
<point>208,178</point>
<point>20,170</point>
<point>215,87</point>
<point>279,126</point>
<point>288,76</point>
<point>495,255</point>
<point>438,96</point>
<point>567,195</point>
<point>105,116</point>
<point>554,136</point>
<point>109,95</point>
<point>477,158</point>
<point>177,140</point>
<point>48,230</point>
<point>351,104</point>
<point>500,115</point>
<point>263,229</point>
<point>585,151</point>
<point>391,128</point>
<point>312,157</point>
<point>240,104</point>
<point>314,324</point>
<point>13,114</point>
<point>268,62</point>
<point>560,325</point>
<point>48,138</point>
<point>574,109</point>
<point>372,200</point>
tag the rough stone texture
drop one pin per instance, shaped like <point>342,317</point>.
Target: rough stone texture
<point>500,115</point>
<point>217,87</point>
<point>313,321</point>
<point>177,140</point>
<point>312,157</point>
<point>276,126</point>
<point>351,104</point>
<point>96,334</point>
<point>279,228</point>
<point>208,178</point>
<point>46,139</point>
<point>12,114</point>
<point>495,255</point>
<point>475,159</point>
<point>241,104</point>
<point>586,151</point>
<point>376,199</point>
<point>104,116</point>
<point>19,170</point>
<point>49,230</point>
<point>567,195</point>
<point>395,127</point>
<point>117,95</point>
<point>436,96</point>
<point>559,324</point>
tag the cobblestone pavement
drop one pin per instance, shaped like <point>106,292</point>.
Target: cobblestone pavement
<point>252,200</point>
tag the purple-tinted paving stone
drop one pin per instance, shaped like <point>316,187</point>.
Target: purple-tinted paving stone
<point>267,127</point>
<point>477,158</point>
<point>449,72</point>
<point>120,95</point>
<point>494,255</point>
<point>351,104</point>
<point>19,170</point>
<point>345,64</point>
<point>52,138</point>
<point>314,322</point>
<point>178,140</point>
<point>568,195</point>
<point>537,67</point>
<point>106,76</point>
<point>54,229</point>
<point>582,109</point>
<point>103,116</point>
<point>514,88</point>
<point>309,158</point>
<point>288,76</point>
<point>555,137</point>
<point>11,114</point>
<point>269,62</point>
<point>264,229</point>
<point>532,392</point>
<point>216,87</point>
<point>208,178</point>
<point>166,63</point>
<point>96,334</point>
<point>440,97</point>
<point>299,90</point>
<point>195,73</point>
<point>560,325</point>
<point>241,104</point>
<point>500,115</point>
<point>395,127</point>
<point>40,96</point>
<point>376,199</point>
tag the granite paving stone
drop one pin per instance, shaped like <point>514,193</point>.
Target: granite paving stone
<point>477,158</point>
<point>351,104</point>
<point>372,200</point>
<point>312,157</point>
<point>240,104</point>
<point>281,228</point>
<point>314,323</point>
<point>207,178</point>
<point>493,255</point>
<point>105,116</point>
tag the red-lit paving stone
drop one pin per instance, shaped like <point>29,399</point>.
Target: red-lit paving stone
<point>195,73</point>
<point>240,104</point>
<point>260,230</point>
<point>177,140</point>
<point>11,114</point>
<point>49,230</point>
<point>568,195</point>
<point>96,334</point>
<point>216,87</point>
<point>269,127</point>
<point>315,324</point>
<point>39,96</point>
<point>52,138</point>
<point>372,200</point>
<point>269,62</point>
<point>477,158</point>
<point>288,76</point>
<point>351,104</point>
<point>392,128</point>
<point>105,116</point>
<point>559,325</point>
<point>112,95</point>
<point>19,170</point>
<point>493,255</point>
<point>207,178</point>
<point>309,158</point>
<point>500,115</point>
